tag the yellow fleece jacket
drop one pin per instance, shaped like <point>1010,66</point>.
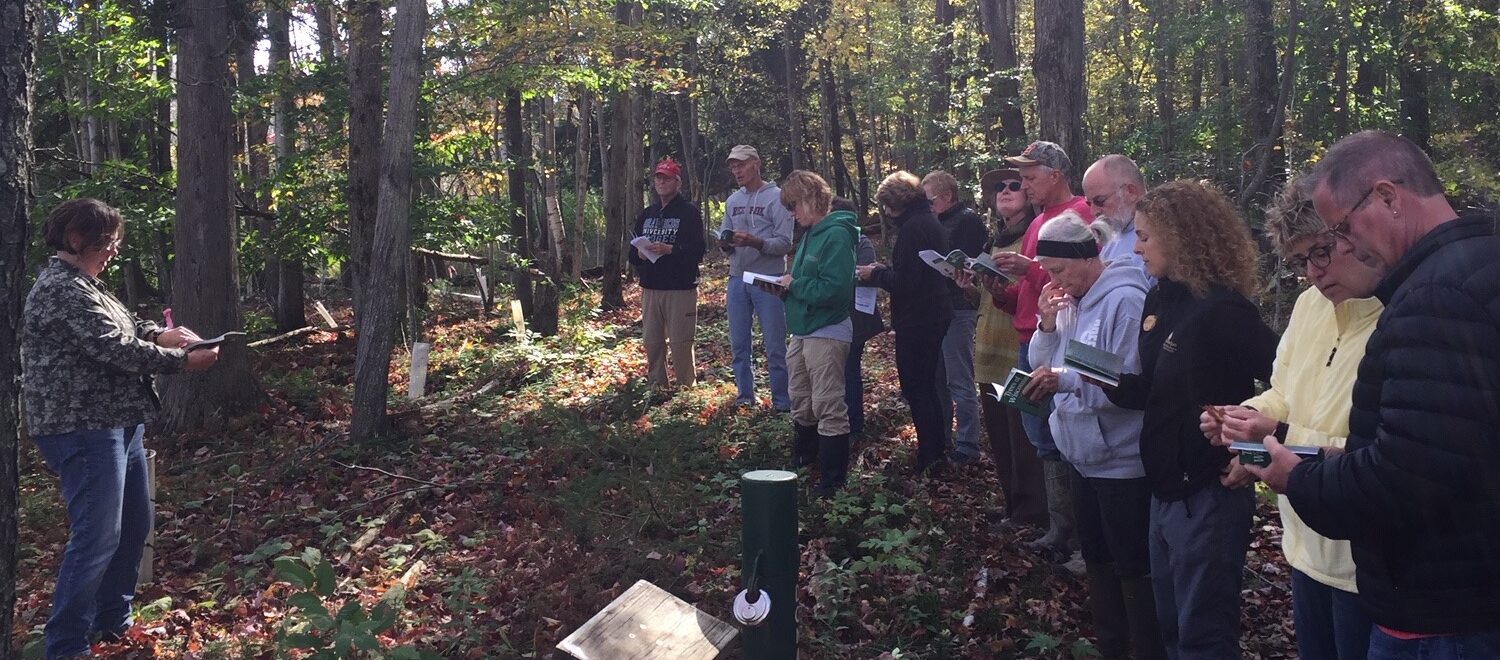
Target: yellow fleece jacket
<point>1311,386</point>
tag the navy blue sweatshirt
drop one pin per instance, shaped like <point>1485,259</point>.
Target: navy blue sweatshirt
<point>680,225</point>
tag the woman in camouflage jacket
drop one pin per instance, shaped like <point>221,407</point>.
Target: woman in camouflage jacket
<point>87,363</point>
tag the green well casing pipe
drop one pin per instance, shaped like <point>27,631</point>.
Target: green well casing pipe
<point>769,498</point>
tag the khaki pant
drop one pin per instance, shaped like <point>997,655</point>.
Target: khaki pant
<point>816,368</point>
<point>669,317</point>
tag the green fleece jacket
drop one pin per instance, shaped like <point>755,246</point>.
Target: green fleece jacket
<point>822,275</point>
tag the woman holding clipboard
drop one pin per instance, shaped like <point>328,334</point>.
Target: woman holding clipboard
<point>87,363</point>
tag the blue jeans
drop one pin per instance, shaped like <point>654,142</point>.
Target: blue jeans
<point>1330,623</point>
<point>956,392</point>
<point>109,514</point>
<point>1036,427</point>
<point>854,387</point>
<point>1198,549</point>
<point>746,302</point>
<point>1475,646</point>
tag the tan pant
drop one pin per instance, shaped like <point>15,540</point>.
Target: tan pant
<point>816,369</point>
<point>669,317</point>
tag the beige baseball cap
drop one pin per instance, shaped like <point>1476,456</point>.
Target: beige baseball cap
<point>743,152</point>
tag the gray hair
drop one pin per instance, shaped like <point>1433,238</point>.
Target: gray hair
<point>1291,216</point>
<point>1069,227</point>
<point>1361,159</point>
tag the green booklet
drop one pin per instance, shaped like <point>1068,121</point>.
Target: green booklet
<point>1096,363</point>
<point>1009,393</point>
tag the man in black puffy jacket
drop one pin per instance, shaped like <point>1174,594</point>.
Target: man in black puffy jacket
<point>1418,490</point>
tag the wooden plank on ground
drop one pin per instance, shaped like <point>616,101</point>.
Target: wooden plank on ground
<point>647,622</point>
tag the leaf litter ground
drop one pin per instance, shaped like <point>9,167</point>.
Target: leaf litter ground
<point>539,479</point>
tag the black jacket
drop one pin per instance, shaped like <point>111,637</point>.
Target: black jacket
<point>1194,351</point>
<point>1418,491</point>
<point>919,293</point>
<point>965,231</point>
<point>681,225</point>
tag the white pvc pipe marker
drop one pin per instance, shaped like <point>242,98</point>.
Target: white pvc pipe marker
<point>420,351</point>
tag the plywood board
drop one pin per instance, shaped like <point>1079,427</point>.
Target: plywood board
<point>648,622</point>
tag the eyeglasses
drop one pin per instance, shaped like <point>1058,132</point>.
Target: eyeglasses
<point>791,208</point>
<point>1319,255</point>
<point>1341,229</point>
<point>1100,200</point>
<point>1011,185</point>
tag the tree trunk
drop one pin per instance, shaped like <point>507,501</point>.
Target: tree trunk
<point>620,173</point>
<point>1411,73</point>
<point>581,152</point>
<point>205,291</point>
<point>1166,64</point>
<point>392,240</point>
<point>862,191</point>
<point>1263,106</point>
<point>288,310</point>
<point>835,132</point>
<point>253,130</point>
<point>17,34</point>
<point>999,20</point>
<point>789,51</point>
<point>520,230</point>
<point>1341,70</point>
<point>549,240</point>
<point>1058,67</point>
<point>365,42</point>
<point>936,134</point>
<point>328,32</point>
<point>161,142</point>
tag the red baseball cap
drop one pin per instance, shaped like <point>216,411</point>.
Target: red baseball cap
<point>668,167</point>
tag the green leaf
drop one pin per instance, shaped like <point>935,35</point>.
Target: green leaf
<point>289,569</point>
<point>308,602</point>
<point>382,617</point>
<point>302,641</point>
<point>326,580</point>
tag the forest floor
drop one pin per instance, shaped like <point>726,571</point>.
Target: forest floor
<point>495,525</point>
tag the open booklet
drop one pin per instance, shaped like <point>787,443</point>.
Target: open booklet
<point>1095,363</point>
<point>1255,453</point>
<point>1009,393</point>
<point>753,279</point>
<point>956,260</point>
<point>213,341</point>
<point>640,243</point>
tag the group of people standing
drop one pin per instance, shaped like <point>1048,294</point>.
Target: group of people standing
<point>1386,382</point>
<point>1378,409</point>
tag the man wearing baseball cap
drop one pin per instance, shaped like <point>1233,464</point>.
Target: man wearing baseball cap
<point>1044,168</point>
<point>757,235</point>
<point>667,263</point>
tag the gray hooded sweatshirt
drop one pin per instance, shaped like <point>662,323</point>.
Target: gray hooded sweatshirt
<point>1100,439</point>
<point>759,213</point>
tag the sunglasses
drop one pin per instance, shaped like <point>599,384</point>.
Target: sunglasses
<point>1011,185</point>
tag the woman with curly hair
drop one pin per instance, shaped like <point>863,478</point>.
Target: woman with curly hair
<point>1202,342</point>
<point>920,308</point>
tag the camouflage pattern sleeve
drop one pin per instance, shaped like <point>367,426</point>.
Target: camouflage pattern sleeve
<point>104,331</point>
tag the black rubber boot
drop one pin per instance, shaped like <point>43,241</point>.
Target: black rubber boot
<point>1140,610</point>
<point>804,445</point>
<point>833,463</point>
<point>1107,600</point>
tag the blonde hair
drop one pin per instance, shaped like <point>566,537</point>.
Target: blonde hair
<point>1291,216</point>
<point>944,182</point>
<point>899,190</point>
<point>803,185</point>
<point>1206,240</point>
